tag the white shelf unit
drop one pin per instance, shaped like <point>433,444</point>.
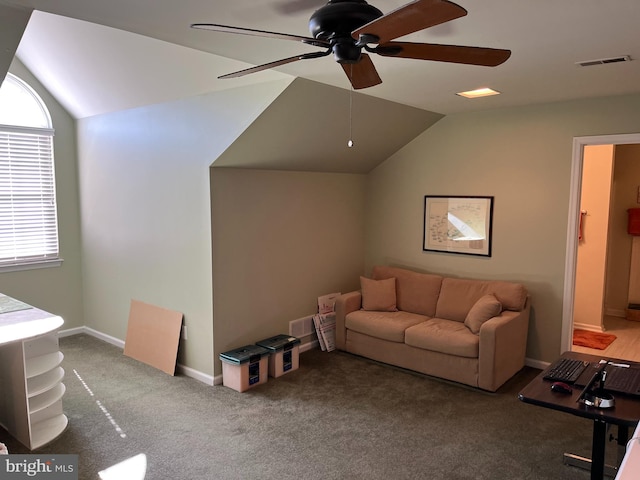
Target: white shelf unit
<point>31,389</point>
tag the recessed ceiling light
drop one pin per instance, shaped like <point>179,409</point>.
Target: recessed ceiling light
<point>480,92</point>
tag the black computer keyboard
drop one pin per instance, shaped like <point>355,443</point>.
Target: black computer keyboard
<point>565,370</point>
<point>625,380</point>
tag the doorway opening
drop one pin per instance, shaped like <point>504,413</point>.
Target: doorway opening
<point>573,230</point>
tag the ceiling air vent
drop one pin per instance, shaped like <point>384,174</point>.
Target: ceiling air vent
<point>603,61</point>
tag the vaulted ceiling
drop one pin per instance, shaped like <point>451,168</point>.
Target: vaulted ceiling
<point>546,40</point>
<point>98,57</point>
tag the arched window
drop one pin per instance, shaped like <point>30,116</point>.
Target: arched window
<point>28,218</point>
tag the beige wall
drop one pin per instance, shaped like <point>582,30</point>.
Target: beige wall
<point>55,289</point>
<point>591,264</point>
<point>146,217</point>
<point>625,195</point>
<point>521,156</point>
<point>145,196</point>
<point>280,240</point>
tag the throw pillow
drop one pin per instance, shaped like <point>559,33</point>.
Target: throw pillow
<point>378,295</point>
<point>485,308</point>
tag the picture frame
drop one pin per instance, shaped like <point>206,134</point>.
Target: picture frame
<point>458,224</point>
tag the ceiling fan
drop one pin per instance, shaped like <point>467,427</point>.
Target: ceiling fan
<point>345,28</point>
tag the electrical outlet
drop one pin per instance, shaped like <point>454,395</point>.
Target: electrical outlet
<point>184,332</point>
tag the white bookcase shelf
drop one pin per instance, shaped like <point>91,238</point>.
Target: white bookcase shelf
<point>31,388</point>
<point>45,431</point>
<point>46,381</point>
<point>42,364</point>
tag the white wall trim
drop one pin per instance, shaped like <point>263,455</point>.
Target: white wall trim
<point>104,337</point>
<point>615,312</point>
<point>539,364</point>
<point>71,331</point>
<point>309,346</point>
<point>589,327</point>
<point>186,371</point>
<point>197,375</point>
<point>572,226</point>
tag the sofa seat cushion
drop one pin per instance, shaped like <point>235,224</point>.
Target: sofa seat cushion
<point>444,336</point>
<point>384,325</point>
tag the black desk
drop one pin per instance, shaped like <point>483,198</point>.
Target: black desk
<point>624,414</point>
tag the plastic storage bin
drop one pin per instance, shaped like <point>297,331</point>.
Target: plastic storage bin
<point>284,356</point>
<point>245,367</point>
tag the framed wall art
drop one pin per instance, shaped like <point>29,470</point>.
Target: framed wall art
<point>458,224</point>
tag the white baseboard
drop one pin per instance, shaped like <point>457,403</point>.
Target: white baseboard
<point>616,312</point>
<point>530,362</point>
<point>104,337</point>
<point>589,327</point>
<point>197,375</point>
<point>308,346</point>
<point>71,331</point>
<point>186,371</point>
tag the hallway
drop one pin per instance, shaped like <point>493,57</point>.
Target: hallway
<point>627,344</point>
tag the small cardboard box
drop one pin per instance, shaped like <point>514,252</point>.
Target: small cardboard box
<point>284,356</point>
<point>633,313</point>
<point>245,367</point>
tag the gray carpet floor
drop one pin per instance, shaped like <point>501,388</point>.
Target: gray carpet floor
<point>337,416</point>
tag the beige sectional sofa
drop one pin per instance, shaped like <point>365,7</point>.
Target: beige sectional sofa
<point>469,331</point>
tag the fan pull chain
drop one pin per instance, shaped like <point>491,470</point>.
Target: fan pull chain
<point>350,142</point>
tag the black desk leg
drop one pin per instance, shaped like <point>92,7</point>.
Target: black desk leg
<point>596,464</point>
<point>597,449</point>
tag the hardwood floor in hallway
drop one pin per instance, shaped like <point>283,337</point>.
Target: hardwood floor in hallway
<point>627,344</point>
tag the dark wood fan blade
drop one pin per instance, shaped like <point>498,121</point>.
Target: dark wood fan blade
<point>489,57</point>
<point>277,63</point>
<point>412,17</point>
<point>259,33</point>
<point>362,74</point>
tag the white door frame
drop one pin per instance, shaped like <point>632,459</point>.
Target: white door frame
<point>573,225</point>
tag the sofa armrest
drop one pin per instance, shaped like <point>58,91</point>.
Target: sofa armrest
<point>503,345</point>
<point>345,304</point>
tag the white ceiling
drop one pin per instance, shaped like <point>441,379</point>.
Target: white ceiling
<point>122,68</point>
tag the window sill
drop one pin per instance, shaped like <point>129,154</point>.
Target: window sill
<point>17,267</point>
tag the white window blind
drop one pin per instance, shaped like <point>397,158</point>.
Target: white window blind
<point>28,219</point>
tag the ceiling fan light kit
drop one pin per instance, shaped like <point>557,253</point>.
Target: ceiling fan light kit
<point>347,27</point>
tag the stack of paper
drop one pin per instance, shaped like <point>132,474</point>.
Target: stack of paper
<point>325,322</point>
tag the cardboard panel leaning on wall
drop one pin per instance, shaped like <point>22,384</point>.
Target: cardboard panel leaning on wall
<point>153,334</point>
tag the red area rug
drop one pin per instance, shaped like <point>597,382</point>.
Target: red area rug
<point>588,339</point>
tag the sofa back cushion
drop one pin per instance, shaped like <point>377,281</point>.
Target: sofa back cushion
<point>378,295</point>
<point>415,292</point>
<point>458,295</point>
<point>483,310</point>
